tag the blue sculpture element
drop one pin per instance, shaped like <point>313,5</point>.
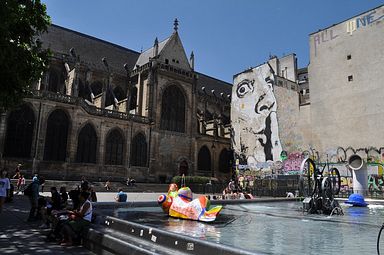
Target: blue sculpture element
<point>356,200</point>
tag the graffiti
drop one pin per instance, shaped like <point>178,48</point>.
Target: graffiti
<point>346,183</point>
<point>322,37</point>
<point>370,154</point>
<point>253,113</point>
<point>362,21</point>
<point>293,162</point>
<point>375,183</point>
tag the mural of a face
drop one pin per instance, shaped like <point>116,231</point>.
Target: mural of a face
<point>253,115</point>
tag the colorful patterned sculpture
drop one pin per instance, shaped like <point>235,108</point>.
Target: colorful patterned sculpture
<point>179,204</point>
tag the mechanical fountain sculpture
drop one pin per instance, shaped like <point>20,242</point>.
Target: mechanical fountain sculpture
<point>319,188</point>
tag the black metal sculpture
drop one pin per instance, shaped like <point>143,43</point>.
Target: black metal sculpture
<point>319,188</point>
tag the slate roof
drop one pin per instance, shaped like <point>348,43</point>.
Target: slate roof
<point>90,49</point>
<point>302,70</point>
<point>211,83</point>
<point>144,56</point>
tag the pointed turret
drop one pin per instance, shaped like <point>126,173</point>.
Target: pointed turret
<point>192,61</point>
<point>156,48</point>
<point>175,25</point>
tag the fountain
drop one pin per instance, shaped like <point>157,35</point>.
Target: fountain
<point>319,188</point>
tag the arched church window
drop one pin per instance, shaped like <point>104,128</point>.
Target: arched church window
<point>183,168</point>
<point>56,136</point>
<point>204,160</point>
<point>18,140</point>
<point>133,99</point>
<point>139,151</point>
<point>86,145</point>
<point>173,110</point>
<point>114,148</point>
<point>225,161</point>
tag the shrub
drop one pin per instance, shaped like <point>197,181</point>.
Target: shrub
<point>191,180</point>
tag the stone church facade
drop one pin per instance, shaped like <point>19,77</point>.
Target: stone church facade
<point>106,112</point>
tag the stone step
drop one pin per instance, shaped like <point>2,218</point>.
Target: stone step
<point>125,237</point>
<point>99,186</point>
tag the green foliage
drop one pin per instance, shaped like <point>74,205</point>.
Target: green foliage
<point>22,59</point>
<point>191,180</point>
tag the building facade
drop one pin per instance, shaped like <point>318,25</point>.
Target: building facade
<point>328,111</point>
<point>106,112</point>
<point>346,60</point>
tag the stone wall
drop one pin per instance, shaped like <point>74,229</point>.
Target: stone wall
<point>346,62</point>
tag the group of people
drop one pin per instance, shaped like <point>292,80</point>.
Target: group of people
<point>234,191</point>
<point>66,213</point>
<point>67,221</point>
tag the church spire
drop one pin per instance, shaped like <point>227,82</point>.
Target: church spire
<point>175,25</point>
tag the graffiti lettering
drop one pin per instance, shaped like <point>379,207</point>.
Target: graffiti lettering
<point>293,162</point>
<point>362,21</point>
<point>322,37</point>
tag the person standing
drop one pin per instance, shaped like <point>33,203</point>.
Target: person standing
<point>18,185</point>
<point>17,172</point>
<point>33,199</point>
<point>22,187</point>
<point>5,186</point>
<point>42,183</point>
<point>107,185</point>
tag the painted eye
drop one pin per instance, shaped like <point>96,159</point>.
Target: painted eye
<point>243,88</point>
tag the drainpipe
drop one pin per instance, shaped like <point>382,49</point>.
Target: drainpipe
<point>359,174</point>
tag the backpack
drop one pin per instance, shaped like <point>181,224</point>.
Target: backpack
<point>28,190</point>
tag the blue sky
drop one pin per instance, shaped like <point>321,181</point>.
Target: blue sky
<point>227,36</point>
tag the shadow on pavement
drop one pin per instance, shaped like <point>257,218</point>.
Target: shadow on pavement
<point>17,236</point>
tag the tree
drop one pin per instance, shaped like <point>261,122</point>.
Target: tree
<point>22,58</point>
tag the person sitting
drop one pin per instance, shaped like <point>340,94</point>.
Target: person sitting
<point>121,196</point>
<point>290,194</point>
<point>248,196</point>
<point>52,204</point>
<point>84,185</point>
<point>74,196</point>
<point>79,221</point>
<point>63,197</point>
<point>107,185</point>
<point>131,182</point>
<point>92,192</point>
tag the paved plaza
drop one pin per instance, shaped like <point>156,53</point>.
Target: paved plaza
<point>17,236</point>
